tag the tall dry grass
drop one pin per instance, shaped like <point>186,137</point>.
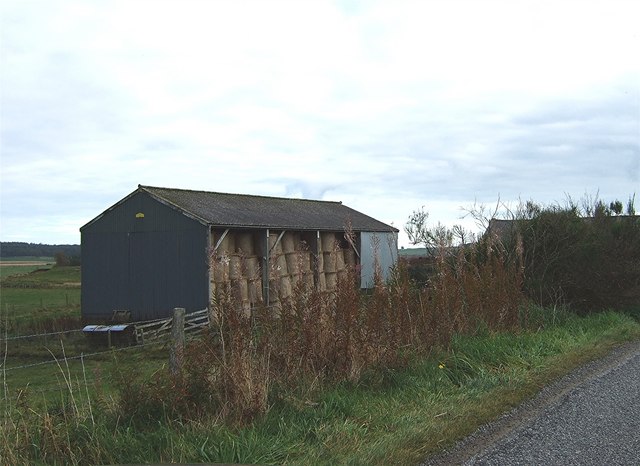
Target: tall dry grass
<point>314,338</point>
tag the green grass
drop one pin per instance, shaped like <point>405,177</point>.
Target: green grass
<point>43,383</point>
<point>40,301</point>
<point>45,277</point>
<point>10,266</point>
<point>28,259</point>
<point>391,417</point>
<point>12,270</point>
<point>22,302</point>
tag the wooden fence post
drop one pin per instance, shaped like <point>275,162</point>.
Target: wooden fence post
<point>176,354</point>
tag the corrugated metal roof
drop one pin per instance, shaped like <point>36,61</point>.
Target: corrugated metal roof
<point>246,211</point>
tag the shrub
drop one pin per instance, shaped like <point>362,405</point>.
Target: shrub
<point>587,258</point>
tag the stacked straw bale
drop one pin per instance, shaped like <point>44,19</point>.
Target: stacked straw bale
<point>236,265</point>
<point>333,263</point>
<point>221,261</point>
<point>236,268</point>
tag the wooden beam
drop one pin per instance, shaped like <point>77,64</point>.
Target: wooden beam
<point>215,248</point>
<point>277,241</point>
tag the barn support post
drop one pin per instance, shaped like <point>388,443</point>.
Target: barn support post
<point>316,265</point>
<point>176,355</point>
<point>211,252</point>
<point>265,268</point>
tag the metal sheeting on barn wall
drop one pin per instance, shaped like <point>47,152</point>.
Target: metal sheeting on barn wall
<point>145,257</point>
<point>377,247</point>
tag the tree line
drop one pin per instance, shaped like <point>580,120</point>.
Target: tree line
<point>21,249</point>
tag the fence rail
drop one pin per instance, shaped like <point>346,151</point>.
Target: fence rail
<point>160,329</point>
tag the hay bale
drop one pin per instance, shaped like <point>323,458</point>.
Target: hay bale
<point>328,241</point>
<point>305,259</point>
<point>244,244</point>
<point>226,246</point>
<point>281,267</point>
<point>340,262</point>
<point>240,289</point>
<point>295,279</point>
<point>319,263</point>
<point>274,291</point>
<point>286,288</point>
<point>288,243</point>
<point>255,291</point>
<point>246,308</point>
<point>298,262</point>
<point>221,269</point>
<point>349,257</point>
<point>330,260</point>
<point>235,266</point>
<point>322,282</point>
<point>276,249</point>
<point>252,267</point>
<point>309,280</point>
<point>331,280</point>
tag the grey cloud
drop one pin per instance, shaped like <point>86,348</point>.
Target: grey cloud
<point>303,189</point>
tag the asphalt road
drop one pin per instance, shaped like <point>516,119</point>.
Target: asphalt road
<point>589,417</point>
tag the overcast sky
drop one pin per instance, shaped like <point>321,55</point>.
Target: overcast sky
<point>385,105</point>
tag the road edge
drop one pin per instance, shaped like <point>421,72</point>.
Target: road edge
<point>492,432</point>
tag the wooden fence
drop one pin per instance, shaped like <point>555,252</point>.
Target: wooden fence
<point>161,329</point>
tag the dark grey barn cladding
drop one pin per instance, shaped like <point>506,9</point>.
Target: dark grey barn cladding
<point>149,252</point>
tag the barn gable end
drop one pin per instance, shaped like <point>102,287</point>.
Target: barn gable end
<point>143,256</point>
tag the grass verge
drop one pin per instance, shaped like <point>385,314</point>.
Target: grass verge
<point>388,417</point>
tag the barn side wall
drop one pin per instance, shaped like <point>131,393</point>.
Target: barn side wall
<point>145,257</point>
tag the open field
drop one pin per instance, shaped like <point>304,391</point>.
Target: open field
<point>45,259</point>
<point>40,301</point>
<point>46,304</point>
<point>44,368</point>
<point>23,265</point>
<point>16,263</point>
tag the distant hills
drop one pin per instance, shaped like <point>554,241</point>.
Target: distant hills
<point>18,249</point>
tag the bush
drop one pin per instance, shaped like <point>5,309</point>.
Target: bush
<point>586,258</point>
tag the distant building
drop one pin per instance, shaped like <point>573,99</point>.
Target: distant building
<point>160,248</point>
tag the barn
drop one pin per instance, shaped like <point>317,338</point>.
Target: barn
<point>161,248</point>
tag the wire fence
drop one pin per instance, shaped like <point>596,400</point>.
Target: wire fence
<point>38,335</point>
<point>57,360</point>
<point>63,332</point>
<point>67,377</point>
<point>194,322</point>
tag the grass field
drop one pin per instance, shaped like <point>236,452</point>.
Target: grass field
<point>41,299</point>
<point>11,266</point>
